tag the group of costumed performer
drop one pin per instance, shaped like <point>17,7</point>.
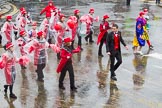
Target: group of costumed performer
<point>38,41</point>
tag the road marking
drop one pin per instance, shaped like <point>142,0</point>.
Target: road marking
<point>155,55</point>
<point>13,10</point>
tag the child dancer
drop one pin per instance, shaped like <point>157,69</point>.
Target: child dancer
<point>8,62</point>
<point>39,47</point>
<point>66,64</point>
<point>22,41</point>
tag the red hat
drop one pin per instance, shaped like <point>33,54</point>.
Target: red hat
<point>105,16</point>
<point>9,45</point>
<point>145,10</point>
<point>51,2</point>
<point>76,11</point>
<point>8,17</point>
<point>22,32</point>
<point>23,12</point>
<point>68,39</point>
<point>48,15</point>
<point>39,34</point>
<point>141,13</point>
<point>61,16</point>
<point>58,27</point>
<point>22,9</point>
<point>91,10</point>
<point>34,23</point>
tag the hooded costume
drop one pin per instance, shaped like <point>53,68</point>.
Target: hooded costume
<point>48,9</point>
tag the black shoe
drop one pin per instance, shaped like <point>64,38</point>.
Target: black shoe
<point>74,89</point>
<point>62,87</point>
<point>91,41</point>
<point>23,67</point>
<point>40,80</point>
<point>151,47</point>
<point>13,96</point>
<point>81,49</point>
<point>101,55</point>
<point>114,78</point>
<point>5,88</point>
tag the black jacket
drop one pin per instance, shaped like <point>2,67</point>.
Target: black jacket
<point>110,42</point>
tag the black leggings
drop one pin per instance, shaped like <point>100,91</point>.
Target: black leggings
<point>39,70</point>
<point>101,44</point>
<point>89,36</point>
<point>79,41</point>
<point>68,67</point>
<point>10,87</point>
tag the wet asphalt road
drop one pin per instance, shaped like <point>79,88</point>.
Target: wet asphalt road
<point>139,77</point>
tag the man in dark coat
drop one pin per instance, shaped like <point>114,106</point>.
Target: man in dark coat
<point>113,49</point>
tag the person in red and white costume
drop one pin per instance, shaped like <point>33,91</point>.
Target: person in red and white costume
<point>77,15</point>
<point>104,27</point>
<point>61,32</point>
<point>19,15</point>
<point>60,27</point>
<point>7,31</point>
<point>54,18</point>
<point>33,32</point>
<point>7,63</point>
<point>44,27</point>
<point>22,41</point>
<point>40,46</point>
<point>65,63</point>
<point>90,22</point>
<point>52,22</point>
<point>17,20</point>
<point>24,21</point>
<point>49,8</point>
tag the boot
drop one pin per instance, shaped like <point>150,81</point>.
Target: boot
<point>61,87</point>
<point>13,96</point>
<point>23,67</point>
<point>86,39</point>
<point>74,89</point>
<point>101,55</point>
<point>114,78</point>
<point>151,47</point>
<point>40,80</point>
<point>91,41</point>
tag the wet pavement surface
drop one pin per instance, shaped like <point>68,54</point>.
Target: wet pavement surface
<point>139,77</point>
